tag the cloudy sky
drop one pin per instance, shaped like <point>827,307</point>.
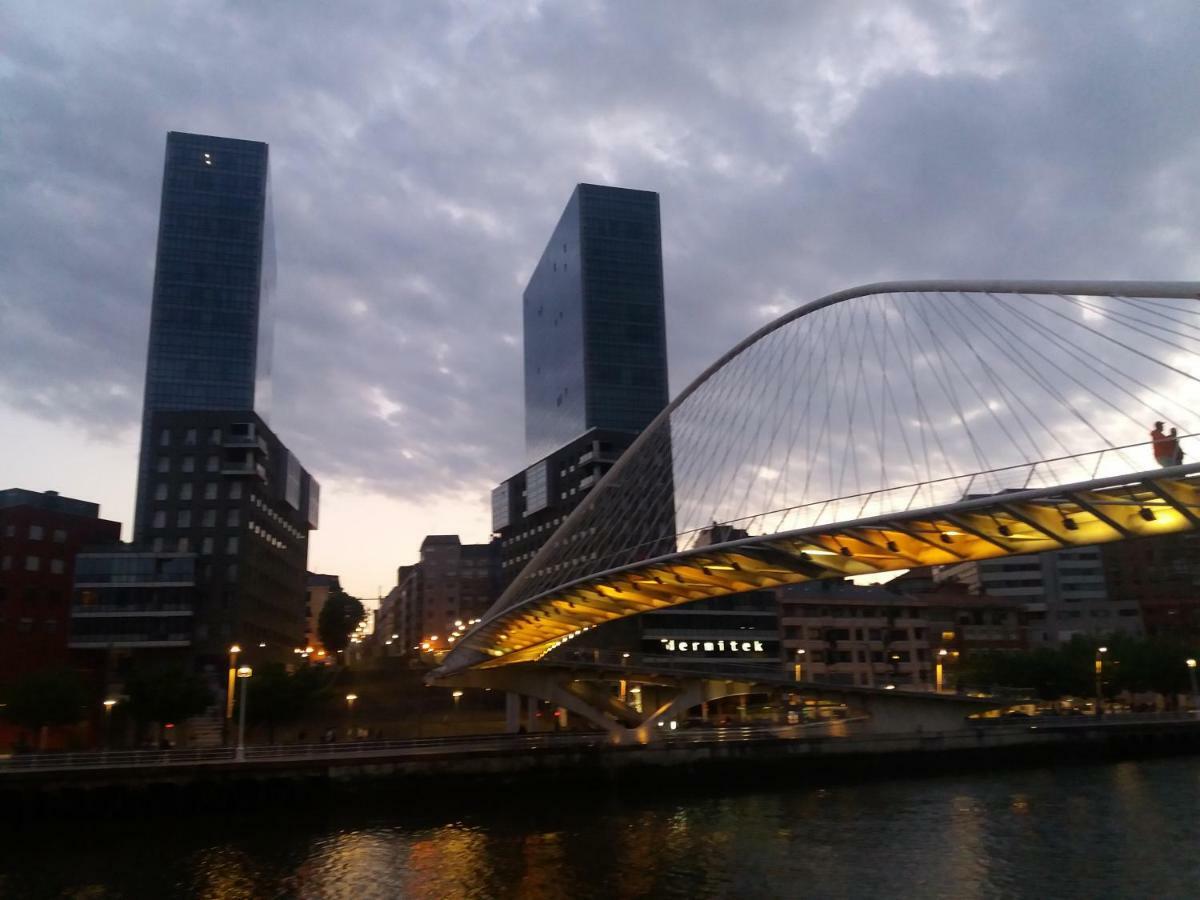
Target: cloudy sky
<point>421,154</point>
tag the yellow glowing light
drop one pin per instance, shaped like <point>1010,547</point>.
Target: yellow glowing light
<point>244,672</point>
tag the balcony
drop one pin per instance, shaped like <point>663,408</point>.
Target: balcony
<point>113,610</point>
<point>244,467</point>
<point>129,640</point>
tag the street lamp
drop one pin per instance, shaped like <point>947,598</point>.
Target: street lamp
<point>1191,664</point>
<point>350,698</point>
<point>941,658</point>
<point>233,657</point>
<point>457,695</point>
<point>1100,651</point>
<point>799,663</point>
<point>244,673</point>
<point>111,703</point>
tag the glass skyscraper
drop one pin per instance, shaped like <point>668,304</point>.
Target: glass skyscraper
<point>595,331</point>
<point>215,272</point>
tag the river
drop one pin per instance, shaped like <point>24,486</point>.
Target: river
<point>1121,830</point>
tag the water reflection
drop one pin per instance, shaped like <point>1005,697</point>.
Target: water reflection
<point>1119,831</point>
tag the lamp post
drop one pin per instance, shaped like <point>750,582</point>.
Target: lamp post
<point>111,703</point>
<point>1100,651</point>
<point>941,659</point>
<point>1191,664</point>
<point>799,667</point>
<point>350,698</point>
<point>233,658</point>
<point>244,673</point>
<point>457,695</point>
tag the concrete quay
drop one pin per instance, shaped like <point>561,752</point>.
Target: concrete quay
<point>730,756</point>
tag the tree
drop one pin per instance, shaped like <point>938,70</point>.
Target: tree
<point>339,617</point>
<point>278,696</point>
<point>166,694</point>
<point>48,697</point>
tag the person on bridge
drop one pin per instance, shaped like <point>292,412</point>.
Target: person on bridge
<point>1176,450</point>
<point>1164,450</point>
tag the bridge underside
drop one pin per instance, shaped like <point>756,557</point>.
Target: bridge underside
<point>1005,524</point>
<point>666,695</point>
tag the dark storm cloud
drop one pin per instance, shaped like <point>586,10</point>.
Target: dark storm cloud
<point>421,154</point>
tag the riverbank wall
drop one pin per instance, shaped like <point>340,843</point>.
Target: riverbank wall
<point>551,767</point>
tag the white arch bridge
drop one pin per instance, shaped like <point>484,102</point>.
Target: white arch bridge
<point>877,429</point>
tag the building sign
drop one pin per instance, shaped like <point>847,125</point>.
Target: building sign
<point>733,647</point>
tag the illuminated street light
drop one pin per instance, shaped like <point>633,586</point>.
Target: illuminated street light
<point>941,658</point>
<point>457,695</point>
<point>1100,651</point>
<point>108,708</point>
<point>1191,664</point>
<point>799,668</point>
<point>244,673</point>
<point>233,657</point>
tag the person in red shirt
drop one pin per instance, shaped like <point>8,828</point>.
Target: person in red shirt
<point>1164,447</point>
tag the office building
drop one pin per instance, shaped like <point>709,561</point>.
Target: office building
<point>843,633</point>
<point>1161,576</point>
<point>126,598</point>
<point>452,584</point>
<point>595,332</point>
<point>41,535</point>
<point>224,488</point>
<point>595,362</point>
<point>1063,591</point>
<point>213,479</point>
<point>210,338</point>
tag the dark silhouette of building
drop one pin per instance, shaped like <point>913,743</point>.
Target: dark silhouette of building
<point>210,338</point>
<point>213,479</point>
<point>226,489</point>
<point>595,331</point>
<point>41,535</point>
<point>595,363</point>
<point>1161,575</point>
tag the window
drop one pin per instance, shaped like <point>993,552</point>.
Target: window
<point>160,491</point>
<point>56,566</point>
<point>164,438</point>
<point>231,545</point>
<point>164,464</point>
<point>189,437</point>
<point>210,491</point>
<point>213,464</point>
<point>10,530</point>
<point>157,545</point>
<point>189,464</point>
<point>231,572</point>
<point>232,518</point>
<point>5,563</point>
<point>183,519</point>
<point>235,491</point>
<point>214,436</point>
<point>184,545</point>
<point>210,519</point>
<point>206,547</point>
<point>36,532</point>
<point>185,491</point>
<point>33,563</point>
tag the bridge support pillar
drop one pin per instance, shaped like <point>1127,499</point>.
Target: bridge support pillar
<point>512,712</point>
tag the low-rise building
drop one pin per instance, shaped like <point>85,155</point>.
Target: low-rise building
<point>41,535</point>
